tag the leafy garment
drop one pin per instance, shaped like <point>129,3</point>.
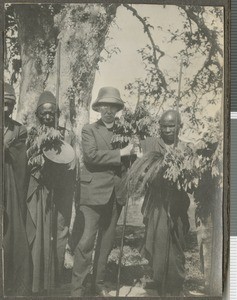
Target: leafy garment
<point>165,215</point>
<point>16,249</point>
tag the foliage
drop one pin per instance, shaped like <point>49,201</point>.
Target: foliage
<point>181,168</point>
<point>82,30</point>
<point>200,36</point>
<point>12,46</point>
<point>130,126</point>
<point>185,169</point>
<point>152,89</point>
<point>38,12</point>
<point>155,83</point>
<point>38,139</point>
<point>131,257</point>
<point>196,168</point>
<point>209,189</point>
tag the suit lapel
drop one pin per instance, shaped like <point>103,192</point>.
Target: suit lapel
<point>104,133</point>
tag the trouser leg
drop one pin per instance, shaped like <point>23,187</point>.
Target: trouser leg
<point>105,239</point>
<point>84,249</point>
<point>62,235</point>
<point>77,230</point>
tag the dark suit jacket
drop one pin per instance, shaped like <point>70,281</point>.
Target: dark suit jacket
<point>103,169</point>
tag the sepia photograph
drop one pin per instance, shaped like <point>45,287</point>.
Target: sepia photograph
<point>114,150</point>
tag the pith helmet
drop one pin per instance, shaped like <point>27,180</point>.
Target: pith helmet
<point>46,97</point>
<point>9,92</point>
<point>109,95</point>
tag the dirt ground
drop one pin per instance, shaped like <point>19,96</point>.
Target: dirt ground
<point>135,279</point>
<point>136,274</point>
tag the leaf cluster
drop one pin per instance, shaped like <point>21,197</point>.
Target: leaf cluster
<point>11,43</point>
<point>38,139</point>
<point>43,36</point>
<point>185,168</point>
<point>200,37</point>
<point>131,257</point>
<point>196,169</point>
<point>153,88</point>
<point>130,125</point>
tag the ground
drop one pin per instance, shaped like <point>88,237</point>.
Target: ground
<point>135,279</point>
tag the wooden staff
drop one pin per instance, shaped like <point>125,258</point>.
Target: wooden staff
<point>177,104</point>
<point>138,102</point>
<point>52,212</point>
<point>125,215</point>
<point>121,247</point>
<point>58,83</point>
<point>122,240</point>
<point>51,241</point>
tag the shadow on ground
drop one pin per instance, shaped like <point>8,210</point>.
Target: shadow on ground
<point>136,274</point>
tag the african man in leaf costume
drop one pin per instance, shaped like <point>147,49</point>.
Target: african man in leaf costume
<point>50,194</point>
<point>164,208</point>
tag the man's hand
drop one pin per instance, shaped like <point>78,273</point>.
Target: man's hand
<point>136,147</point>
<point>138,151</point>
<point>126,151</point>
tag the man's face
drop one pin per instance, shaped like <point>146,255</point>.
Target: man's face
<point>108,112</point>
<point>8,107</point>
<point>46,114</point>
<point>169,131</point>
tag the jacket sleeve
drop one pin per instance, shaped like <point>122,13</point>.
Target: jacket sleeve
<point>94,156</point>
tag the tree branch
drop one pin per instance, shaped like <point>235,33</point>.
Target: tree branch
<point>210,34</point>
<point>155,48</point>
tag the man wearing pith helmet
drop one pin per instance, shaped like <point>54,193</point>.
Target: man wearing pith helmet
<point>166,206</point>
<point>52,182</point>
<point>102,192</point>
<point>15,244</point>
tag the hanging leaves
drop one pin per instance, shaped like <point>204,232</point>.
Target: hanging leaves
<point>196,169</point>
<point>37,140</point>
<point>130,125</point>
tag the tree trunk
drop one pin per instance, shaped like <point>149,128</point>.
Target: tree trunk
<point>217,217</point>
<point>217,246</point>
<point>37,35</point>
<point>82,30</point>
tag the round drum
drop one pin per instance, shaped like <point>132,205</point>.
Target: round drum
<point>61,153</point>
